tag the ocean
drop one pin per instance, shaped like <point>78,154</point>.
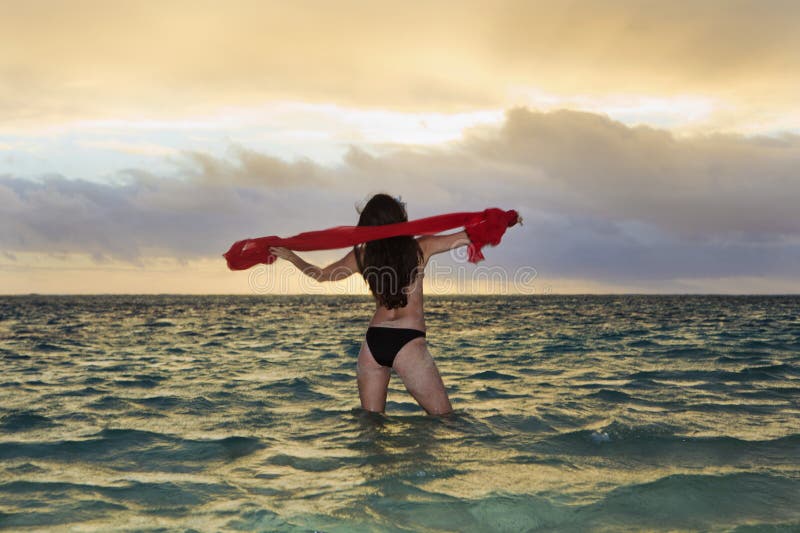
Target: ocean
<point>241,413</point>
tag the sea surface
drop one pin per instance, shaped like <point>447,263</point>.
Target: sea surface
<point>241,413</point>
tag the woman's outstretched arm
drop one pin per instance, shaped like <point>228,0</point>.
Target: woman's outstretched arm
<point>337,270</point>
<point>436,244</point>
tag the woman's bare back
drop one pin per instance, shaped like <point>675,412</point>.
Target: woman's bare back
<point>410,316</point>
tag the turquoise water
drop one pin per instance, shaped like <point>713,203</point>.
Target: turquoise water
<point>241,413</point>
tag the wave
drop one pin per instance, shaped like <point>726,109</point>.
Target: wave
<point>152,495</point>
<point>491,375</point>
<point>308,464</point>
<point>129,449</point>
<point>85,391</point>
<point>673,502</point>
<point>752,373</point>
<point>141,383</point>
<point>298,388</point>
<point>168,403</point>
<point>109,403</point>
<point>613,396</point>
<point>48,347</point>
<point>521,423</point>
<point>24,421</point>
<point>492,392</point>
<point>10,356</point>
<point>696,501</point>
<point>661,444</point>
<point>404,506</point>
<point>159,324</point>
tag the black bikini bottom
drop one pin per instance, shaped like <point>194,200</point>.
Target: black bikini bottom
<point>384,343</point>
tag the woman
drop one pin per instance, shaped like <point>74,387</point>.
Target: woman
<point>395,338</point>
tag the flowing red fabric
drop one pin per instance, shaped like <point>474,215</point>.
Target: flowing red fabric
<point>482,227</point>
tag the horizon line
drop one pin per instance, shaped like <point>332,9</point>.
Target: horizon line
<point>366,296</point>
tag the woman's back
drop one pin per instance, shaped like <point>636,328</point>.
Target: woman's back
<point>411,315</point>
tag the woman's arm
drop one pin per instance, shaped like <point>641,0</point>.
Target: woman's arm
<point>336,271</point>
<point>435,244</point>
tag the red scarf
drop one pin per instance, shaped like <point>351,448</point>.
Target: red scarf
<point>482,227</point>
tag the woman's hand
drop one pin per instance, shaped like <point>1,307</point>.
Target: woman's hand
<point>304,266</point>
<point>283,253</point>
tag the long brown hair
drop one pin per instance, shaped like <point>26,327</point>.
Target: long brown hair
<point>388,265</point>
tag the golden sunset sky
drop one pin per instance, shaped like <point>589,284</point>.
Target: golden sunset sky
<point>650,146</point>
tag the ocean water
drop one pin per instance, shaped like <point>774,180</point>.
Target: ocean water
<point>584,413</point>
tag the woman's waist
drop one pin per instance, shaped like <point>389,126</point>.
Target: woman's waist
<point>404,322</point>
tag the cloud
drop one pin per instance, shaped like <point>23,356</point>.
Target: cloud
<point>714,185</point>
<point>138,148</point>
<point>177,58</point>
<point>601,200</point>
<point>252,168</point>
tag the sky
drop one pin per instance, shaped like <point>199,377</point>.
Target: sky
<point>651,147</point>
